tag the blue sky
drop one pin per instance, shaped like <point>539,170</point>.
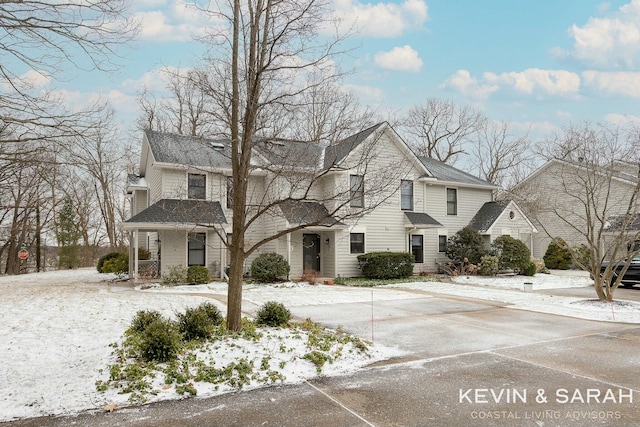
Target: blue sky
<point>539,64</point>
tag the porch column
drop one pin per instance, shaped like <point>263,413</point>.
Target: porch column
<point>135,253</point>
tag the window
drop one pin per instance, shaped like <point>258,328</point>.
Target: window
<point>196,245</point>
<point>357,243</point>
<point>197,186</point>
<point>442,243</point>
<point>357,191</point>
<point>229,192</point>
<point>452,201</point>
<point>417,247</point>
<point>406,195</point>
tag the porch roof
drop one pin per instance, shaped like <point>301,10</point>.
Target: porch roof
<point>174,211</point>
<point>307,213</point>
<point>421,220</point>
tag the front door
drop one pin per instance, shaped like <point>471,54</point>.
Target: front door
<point>311,252</point>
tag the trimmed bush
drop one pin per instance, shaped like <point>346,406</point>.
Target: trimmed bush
<point>160,341</point>
<point>273,314</point>
<point>466,243</point>
<point>269,267</point>
<point>558,255</point>
<point>530,269</point>
<point>104,258</point>
<point>177,275</point>
<point>386,265</point>
<point>118,265</point>
<point>581,257</point>
<point>198,275</point>
<point>142,319</point>
<point>513,253</point>
<point>489,265</point>
<point>199,322</point>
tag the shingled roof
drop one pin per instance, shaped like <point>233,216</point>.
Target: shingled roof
<point>443,172</point>
<point>189,150</point>
<point>173,211</point>
<point>335,153</point>
<point>307,213</point>
<point>421,220</point>
<point>488,215</point>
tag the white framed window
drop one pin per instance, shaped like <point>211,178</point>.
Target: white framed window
<point>452,201</point>
<point>357,243</point>
<point>197,186</point>
<point>356,185</point>
<point>406,195</point>
<point>196,243</point>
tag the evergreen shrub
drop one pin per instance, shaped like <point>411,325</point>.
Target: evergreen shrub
<point>160,341</point>
<point>104,258</point>
<point>513,253</point>
<point>386,265</point>
<point>270,267</point>
<point>558,255</point>
<point>198,275</point>
<point>489,265</point>
<point>466,243</point>
<point>274,314</point>
<point>199,322</point>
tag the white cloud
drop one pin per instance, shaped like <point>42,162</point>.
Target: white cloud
<point>178,22</point>
<point>614,83</point>
<point>381,19</point>
<point>469,86</point>
<point>552,82</point>
<point>403,58</point>
<point>623,119</point>
<point>612,41</point>
<point>369,93</point>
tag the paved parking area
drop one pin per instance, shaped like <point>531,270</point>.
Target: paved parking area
<point>468,363</point>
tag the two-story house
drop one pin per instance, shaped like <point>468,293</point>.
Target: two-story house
<point>318,205</point>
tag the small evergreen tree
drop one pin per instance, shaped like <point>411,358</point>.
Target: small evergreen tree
<point>512,253</point>
<point>68,235</point>
<point>466,243</point>
<point>558,255</point>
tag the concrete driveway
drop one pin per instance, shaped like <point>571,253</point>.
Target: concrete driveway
<point>468,363</point>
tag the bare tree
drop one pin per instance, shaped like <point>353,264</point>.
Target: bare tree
<point>589,199</point>
<point>443,130</point>
<point>264,68</point>
<point>499,154</point>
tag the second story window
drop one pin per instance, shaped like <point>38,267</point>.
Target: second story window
<point>356,192</point>
<point>406,195</point>
<point>197,186</point>
<point>452,201</point>
<point>230,192</point>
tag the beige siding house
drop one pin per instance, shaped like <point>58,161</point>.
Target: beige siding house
<point>554,198</point>
<point>366,193</point>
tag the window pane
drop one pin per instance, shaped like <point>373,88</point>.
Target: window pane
<point>357,243</point>
<point>417,248</point>
<point>452,201</point>
<point>442,243</point>
<point>406,198</point>
<point>357,191</point>
<point>196,249</point>
<point>197,186</point>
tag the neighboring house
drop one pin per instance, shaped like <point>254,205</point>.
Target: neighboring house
<point>182,197</point>
<point>561,196</point>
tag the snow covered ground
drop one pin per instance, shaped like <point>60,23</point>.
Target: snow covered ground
<point>56,327</point>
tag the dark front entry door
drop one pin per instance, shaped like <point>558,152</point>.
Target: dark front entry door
<point>311,252</point>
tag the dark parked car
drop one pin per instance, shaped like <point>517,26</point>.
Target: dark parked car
<point>631,276</point>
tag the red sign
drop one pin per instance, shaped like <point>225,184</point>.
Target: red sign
<point>23,254</point>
